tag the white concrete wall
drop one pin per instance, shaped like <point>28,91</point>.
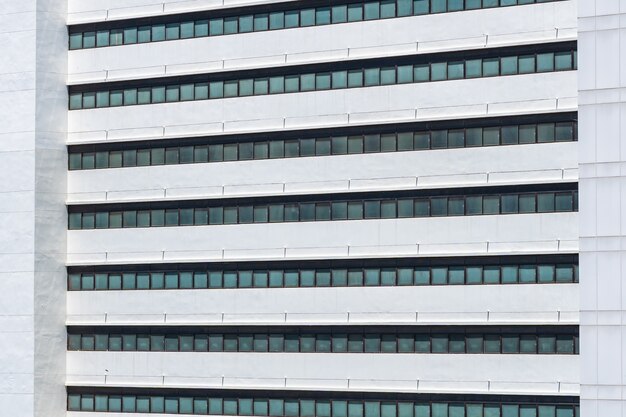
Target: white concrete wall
<point>602,157</point>
<point>530,374</point>
<point>521,233</point>
<point>32,136</point>
<point>466,304</point>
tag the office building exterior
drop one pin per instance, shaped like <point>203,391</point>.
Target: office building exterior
<point>311,209</point>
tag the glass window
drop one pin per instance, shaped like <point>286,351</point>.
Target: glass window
<point>491,67</point>
<point>355,12</point>
<point>276,20</point>
<point>292,19</point>
<point>438,71</point>
<point>508,65</point>
<point>307,17</point>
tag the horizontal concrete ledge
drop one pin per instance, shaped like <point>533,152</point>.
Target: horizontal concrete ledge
<point>338,252</point>
<point>360,318</point>
<point>569,174</point>
<point>408,386</point>
<point>157,9</point>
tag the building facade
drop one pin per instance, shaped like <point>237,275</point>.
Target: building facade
<point>309,209</point>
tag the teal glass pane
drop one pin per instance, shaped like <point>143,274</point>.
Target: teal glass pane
<point>115,404</point>
<point>563,61</point>
<point>546,344</point>
<point>102,38</point>
<point>292,83</point>
<point>372,277</point>
<point>307,17</point>
<point>456,70</point>
<point>372,408</point>
<point>456,275</point>
<point>473,68</point>
<point>545,202</point>
<point>371,10</point>
<point>422,276</point>
<point>439,71</point>
<point>158,95</point>
<point>527,274</point>
<point>216,27</point>
<point>246,87</point>
<point>546,411</point>
<point>405,7</point>
<point>491,274</point>
<point>355,12</point>
<point>526,64</point>
<point>438,6</point>
<point>509,274</point>
<point>474,343</point>
<point>387,76</point>
<point>355,78</point>
<point>277,20</point>
<point>144,34</point>
<point>89,40</point>
<point>492,344</point>
<point>340,13</point>
<point>372,76</point>
<point>339,408</point>
<point>456,410</point>
<point>492,410</point>
<point>545,62</point>
<point>158,33</point>
<point>474,410</point>
<point>292,408</point>
<point>421,7</point>
<point>564,411</point>
<point>439,343</point>
<point>528,411</point>
<point>355,278</point>
<point>261,22</point>
<point>322,81</point>
<point>339,277</point>
<point>231,25</point>
<point>355,409</point>
<point>439,409</point>
<point>528,344</point>
<point>292,19</point>
<point>510,343</point>
<point>230,406</point>
<point>172,31</point>
<point>201,28</point>
<point>322,16</point>
<point>215,406</point>
<point>422,410</point>
<point>508,65</point>
<point>339,344</point>
<point>201,406</point>
<point>491,67</point>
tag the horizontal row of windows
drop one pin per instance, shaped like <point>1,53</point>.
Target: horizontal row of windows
<point>305,407</point>
<point>331,210</point>
<point>542,273</point>
<point>323,146</point>
<point>186,28</point>
<point>540,342</point>
<point>365,74</point>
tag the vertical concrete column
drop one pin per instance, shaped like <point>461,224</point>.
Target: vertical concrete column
<point>602,117</point>
<point>33,127</point>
